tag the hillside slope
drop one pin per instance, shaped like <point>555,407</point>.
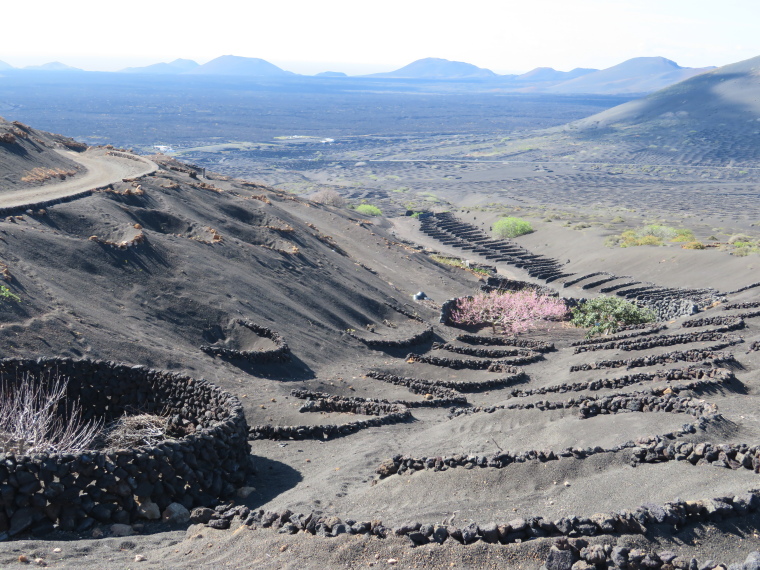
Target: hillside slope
<point>29,157</point>
<point>711,118</point>
<point>637,75</point>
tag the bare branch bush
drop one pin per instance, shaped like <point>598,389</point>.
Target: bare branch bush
<point>31,420</point>
<point>514,312</point>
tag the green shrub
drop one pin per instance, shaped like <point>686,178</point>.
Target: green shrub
<point>511,227</point>
<point>658,231</point>
<point>7,294</point>
<point>684,235</point>
<point>604,315</point>
<point>369,210</point>
<point>649,240</point>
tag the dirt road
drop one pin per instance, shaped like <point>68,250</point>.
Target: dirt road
<point>102,169</point>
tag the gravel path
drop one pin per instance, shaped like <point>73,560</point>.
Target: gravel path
<point>102,169</point>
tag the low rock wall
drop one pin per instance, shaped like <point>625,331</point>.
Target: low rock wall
<point>697,355</point>
<point>75,490</point>
<point>279,354</point>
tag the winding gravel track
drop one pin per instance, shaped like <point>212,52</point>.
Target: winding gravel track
<point>101,169</point>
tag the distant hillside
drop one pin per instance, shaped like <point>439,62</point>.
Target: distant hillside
<point>239,66</point>
<point>710,118</point>
<point>4,65</point>
<point>548,74</point>
<point>172,68</point>
<point>435,68</point>
<point>637,75</point>
<point>52,66</point>
<point>331,74</point>
<point>731,92</point>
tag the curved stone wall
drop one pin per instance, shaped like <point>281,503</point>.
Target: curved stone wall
<point>75,490</point>
<point>279,354</point>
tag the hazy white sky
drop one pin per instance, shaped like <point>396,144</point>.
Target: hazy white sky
<point>307,36</point>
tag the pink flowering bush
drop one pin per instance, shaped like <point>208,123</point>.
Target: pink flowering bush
<point>513,312</point>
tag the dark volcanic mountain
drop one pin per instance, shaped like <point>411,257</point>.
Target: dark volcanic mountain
<point>637,75</point>
<point>709,119</point>
<point>172,68</point>
<point>239,66</point>
<point>731,92</point>
<point>436,68</point>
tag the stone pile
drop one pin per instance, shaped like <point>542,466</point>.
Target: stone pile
<point>73,491</point>
<point>578,554</point>
<point>726,455</point>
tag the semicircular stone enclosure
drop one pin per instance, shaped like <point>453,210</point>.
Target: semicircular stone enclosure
<point>74,490</point>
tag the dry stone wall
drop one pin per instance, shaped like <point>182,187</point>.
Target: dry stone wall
<point>75,490</point>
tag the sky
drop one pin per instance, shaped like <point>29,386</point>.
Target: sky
<point>306,36</point>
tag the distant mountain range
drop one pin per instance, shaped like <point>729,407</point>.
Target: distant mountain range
<point>712,119</point>
<point>541,74</point>
<point>435,68</point>
<point>636,76</point>
<point>52,66</point>
<point>239,66</point>
<point>172,68</point>
<point>725,96</point>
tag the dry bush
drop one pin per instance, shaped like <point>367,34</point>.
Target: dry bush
<point>41,174</point>
<point>71,144</point>
<point>31,420</point>
<point>328,197</point>
<point>5,271</point>
<point>136,430</point>
<point>7,138</point>
<point>738,237</point>
<point>18,133</point>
